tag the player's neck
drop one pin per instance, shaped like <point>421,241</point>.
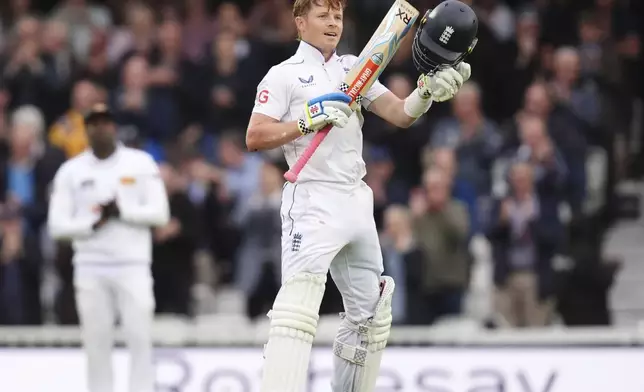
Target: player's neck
<point>326,54</point>
<point>104,152</point>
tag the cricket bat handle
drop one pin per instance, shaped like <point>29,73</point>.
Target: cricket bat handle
<point>292,175</point>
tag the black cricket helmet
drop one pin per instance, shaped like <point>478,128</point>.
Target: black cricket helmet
<point>446,35</point>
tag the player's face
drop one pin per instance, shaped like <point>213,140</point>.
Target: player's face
<point>101,133</point>
<point>322,27</point>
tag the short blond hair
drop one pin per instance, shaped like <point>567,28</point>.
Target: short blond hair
<point>29,116</point>
<point>302,7</point>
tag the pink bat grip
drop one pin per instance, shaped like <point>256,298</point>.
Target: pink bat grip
<point>291,175</point>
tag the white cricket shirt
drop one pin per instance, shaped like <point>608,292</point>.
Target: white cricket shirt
<point>83,183</point>
<point>282,95</point>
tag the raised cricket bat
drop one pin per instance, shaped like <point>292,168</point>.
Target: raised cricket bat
<point>372,61</point>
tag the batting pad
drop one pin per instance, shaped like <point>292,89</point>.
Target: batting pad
<point>360,371</point>
<point>294,321</point>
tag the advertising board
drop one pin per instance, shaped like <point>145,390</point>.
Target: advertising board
<point>404,369</point>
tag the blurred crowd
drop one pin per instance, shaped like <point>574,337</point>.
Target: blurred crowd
<point>525,159</point>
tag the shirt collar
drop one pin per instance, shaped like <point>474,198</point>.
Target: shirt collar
<point>111,158</point>
<point>310,52</point>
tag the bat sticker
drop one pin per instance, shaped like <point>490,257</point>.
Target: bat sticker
<point>368,71</point>
<point>377,58</point>
<point>403,16</point>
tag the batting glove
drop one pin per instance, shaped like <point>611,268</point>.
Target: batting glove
<point>444,84</point>
<point>465,70</point>
<point>324,110</point>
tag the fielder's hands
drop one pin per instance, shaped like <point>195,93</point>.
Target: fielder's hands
<point>108,210</point>
<point>326,109</point>
<point>444,84</point>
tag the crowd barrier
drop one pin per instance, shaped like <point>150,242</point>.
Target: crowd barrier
<point>232,334</point>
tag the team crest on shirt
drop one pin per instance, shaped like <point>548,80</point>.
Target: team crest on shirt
<point>297,242</point>
<point>306,82</point>
<point>128,180</point>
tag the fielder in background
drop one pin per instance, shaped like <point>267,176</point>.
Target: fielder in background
<point>105,201</point>
<point>327,215</point>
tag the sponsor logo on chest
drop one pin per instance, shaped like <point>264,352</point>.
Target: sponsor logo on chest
<point>306,81</point>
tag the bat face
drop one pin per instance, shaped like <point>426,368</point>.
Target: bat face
<point>379,50</point>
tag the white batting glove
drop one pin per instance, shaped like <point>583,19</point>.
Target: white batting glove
<point>324,110</point>
<point>444,84</point>
<point>465,70</point>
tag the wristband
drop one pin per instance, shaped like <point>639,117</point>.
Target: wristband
<point>415,105</point>
<point>304,130</point>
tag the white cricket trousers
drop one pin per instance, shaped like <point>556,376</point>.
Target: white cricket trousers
<point>330,227</point>
<point>103,293</point>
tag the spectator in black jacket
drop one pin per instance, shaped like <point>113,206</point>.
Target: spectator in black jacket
<point>174,248</point>
<point>550,170</point>
<point>59,69</point>
<point>564,129</point>
<point>474,137</point>
<point>20,271</point>
<point>230,85</point>
<point>523,245</point>
<point>137,104</point>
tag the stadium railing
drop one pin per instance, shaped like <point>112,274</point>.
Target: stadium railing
<point>191,335</point>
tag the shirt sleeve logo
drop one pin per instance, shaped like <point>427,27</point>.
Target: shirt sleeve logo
<point>262,96</point>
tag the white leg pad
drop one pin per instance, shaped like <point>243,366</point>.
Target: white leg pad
<point>361,371</point>
<point>294,320</point>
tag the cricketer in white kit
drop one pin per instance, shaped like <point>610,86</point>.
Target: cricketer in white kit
<point>105,201</point>
<point>327,216</point>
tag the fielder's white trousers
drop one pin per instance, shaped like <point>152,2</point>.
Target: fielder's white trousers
<point>103,293</point>
<point>330,227</point>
